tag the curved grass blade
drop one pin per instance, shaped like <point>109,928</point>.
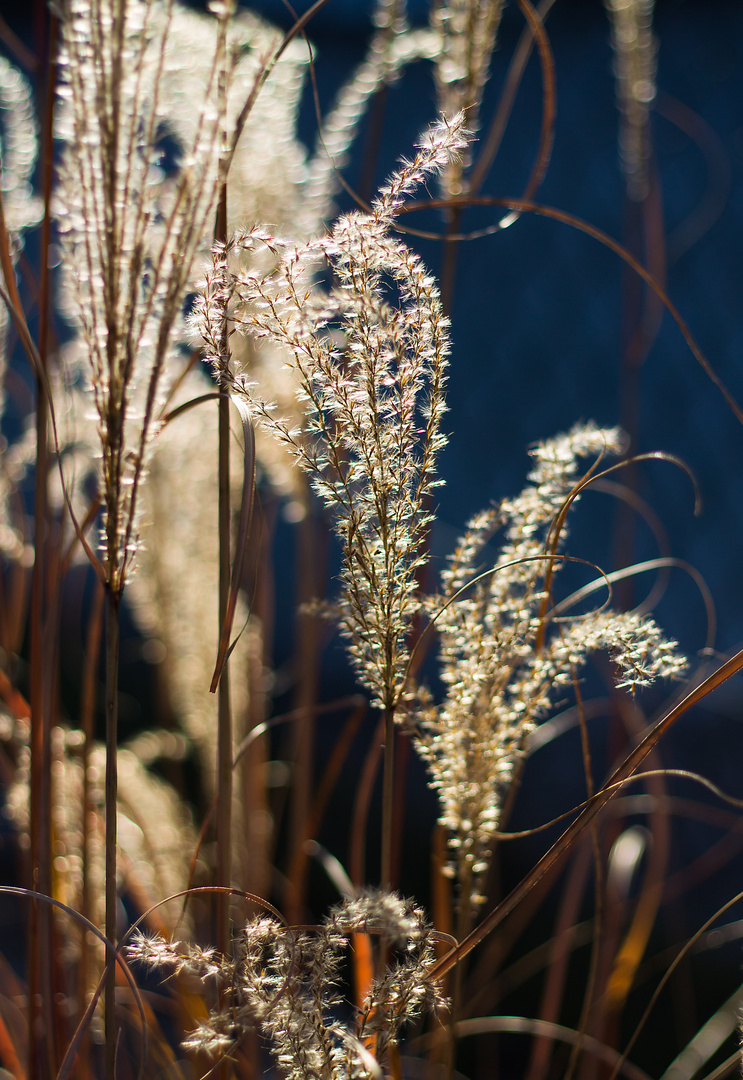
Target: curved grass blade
<point>243,532</point>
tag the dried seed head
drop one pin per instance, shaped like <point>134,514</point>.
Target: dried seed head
<point>369,357</point>
<point>503,664</point>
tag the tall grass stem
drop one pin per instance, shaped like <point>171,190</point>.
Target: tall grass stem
<point>113,603</point>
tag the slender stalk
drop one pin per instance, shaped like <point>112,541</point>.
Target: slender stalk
<point>360,814</point>
<point>561,945</point>
<point>39,971</point>
<point>224,714</point>
<point>599,885</point>
<point>388,797</point>
<point>87,720</point>
<point>224,767</point>
<point>251,864</point>
<point>113,601</point>
<point>41,1041</point>
<point>449,261</point>
<point>303,727</point>
<point>463,925</point>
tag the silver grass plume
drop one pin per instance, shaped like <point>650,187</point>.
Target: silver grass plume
<point>266,174</point>
<point>392,47</point>
<point>467,31</point>
<point>370,357</point>
<point>156,835</point>
<point>634,69</point>
<point>18,153</point>
<point>130,228</point>
<point>501,677</point>
<point>275,181</point>
<point>285,984</point>
<point>21,210</point>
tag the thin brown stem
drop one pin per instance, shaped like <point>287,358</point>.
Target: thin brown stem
<point>224,728</point>
<point>40,806</point>
<point>40,810</point>
<point>360,816</point>
<point>560,947</point>
<point>87,720</point>
<point>303,726</point>
<point>113,602</point>
<point>40,944</point>
<point>388,797</point>
<point>224,712</point>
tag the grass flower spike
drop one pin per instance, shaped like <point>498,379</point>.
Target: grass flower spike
<point>286,984</point>
<point>131,227</point>
<point>505,660</point>
<point>467,31</point>
<point>370,357</point>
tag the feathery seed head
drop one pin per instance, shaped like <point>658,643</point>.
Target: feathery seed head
<point>369,355</point>
<point>503,661</point>
<point>131,228</point>
<point>466,31</point>
<point>285,984</point>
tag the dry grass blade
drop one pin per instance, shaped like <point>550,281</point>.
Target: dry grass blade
<point>522,206</point>
<point>241,542</point>
<point>714,1029</point>
<point>492,141</point>
<point>526,1026</point>
<point>113,953</point>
